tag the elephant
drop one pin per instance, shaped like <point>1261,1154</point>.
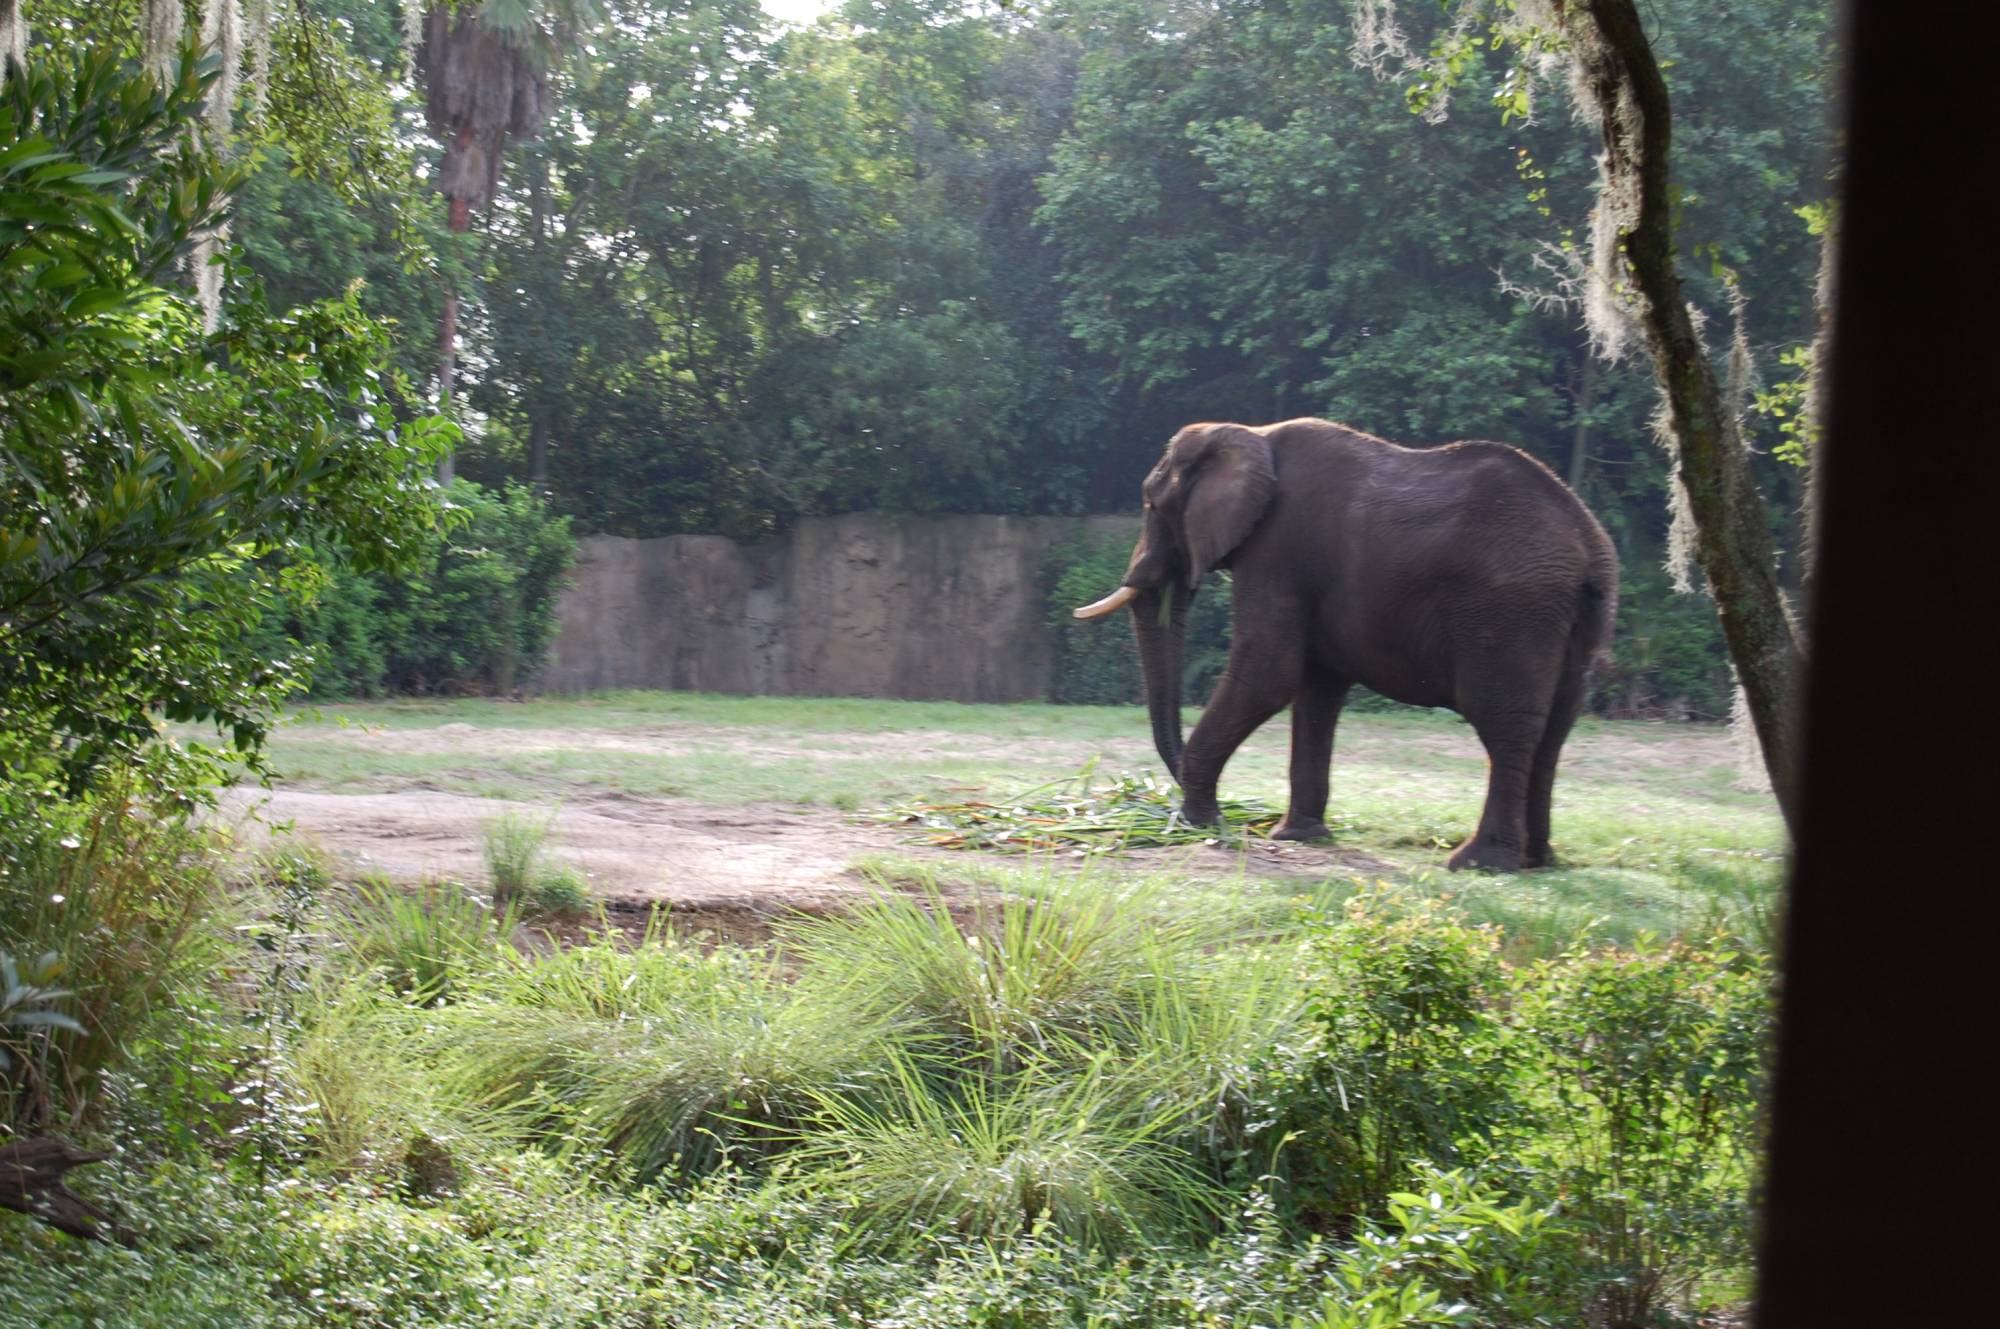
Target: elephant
<point>1465,576</point>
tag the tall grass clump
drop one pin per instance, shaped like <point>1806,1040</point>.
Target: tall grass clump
<point>1007,975</point>
<point>364,1062</point>
<point>996,1156</point>
<point>515,847</point>
<point>512,845</point>
<point>669,1061</point>
<point>115,905</point>
<point>424,942</point>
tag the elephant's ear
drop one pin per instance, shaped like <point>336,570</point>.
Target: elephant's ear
<point>1228,469</point>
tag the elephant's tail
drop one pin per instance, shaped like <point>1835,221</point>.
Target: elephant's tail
<point>1597,613</point>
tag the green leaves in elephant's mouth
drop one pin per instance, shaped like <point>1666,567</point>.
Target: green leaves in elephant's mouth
<point>1082,815</point>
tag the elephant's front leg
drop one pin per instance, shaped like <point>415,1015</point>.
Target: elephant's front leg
<point>1254,688</point>
<point>1315,713</point>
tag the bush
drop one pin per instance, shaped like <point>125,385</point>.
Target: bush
<point>1668,659</point>
<point>1646,1070</point>
<point>1097,663</point>
<point>148,457</point>
<point>476,616</point>
<point>1407,1063</point>
<point>427,942</point>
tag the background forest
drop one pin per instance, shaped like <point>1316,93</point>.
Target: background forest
<point>925,256</point>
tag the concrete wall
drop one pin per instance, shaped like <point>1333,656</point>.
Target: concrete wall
<point>860,606</point>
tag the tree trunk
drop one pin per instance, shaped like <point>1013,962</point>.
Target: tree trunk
<point>459,220</point>
<point>13,36</point>
<point>538,396</point>
<point>31,1182</point>
<point>1732,538</point>
<point>538,446</point>
<point>1579,447</point>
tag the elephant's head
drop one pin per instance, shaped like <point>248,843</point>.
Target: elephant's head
<point>1202,500</point>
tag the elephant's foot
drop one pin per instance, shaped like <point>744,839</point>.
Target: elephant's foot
<point>1538,856</point>
<point>1487,855</point>
<point>1200,811</point>
<point>1290,829</point>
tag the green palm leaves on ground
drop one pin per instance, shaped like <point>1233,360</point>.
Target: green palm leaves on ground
<point>1078,815</point>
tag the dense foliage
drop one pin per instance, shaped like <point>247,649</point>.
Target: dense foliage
<point>920,259</point>
<point>137,510</point>
<point>1076,1099</point>
<point>916,258</point>
<point>473,613</point>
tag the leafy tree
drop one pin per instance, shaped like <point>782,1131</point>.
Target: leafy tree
<point>135,507</point>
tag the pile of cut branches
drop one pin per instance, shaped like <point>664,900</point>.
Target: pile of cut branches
<point>1081,815</point>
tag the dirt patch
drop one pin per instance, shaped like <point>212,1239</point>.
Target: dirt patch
<point>727,870</point>
<point>747,862</point>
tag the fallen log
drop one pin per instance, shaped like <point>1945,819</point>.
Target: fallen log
<point>31,1183</point>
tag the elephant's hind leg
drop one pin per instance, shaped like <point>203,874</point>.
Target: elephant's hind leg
<point>1315,712</point>
<point>1542,772</point>
<point>1500,843</point>
<point>1508,698</point>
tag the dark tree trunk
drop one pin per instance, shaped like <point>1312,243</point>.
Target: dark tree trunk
<point>1579,446</point>
<point>1732,536</point>
<point>539,405</point>
<point>538,446</point>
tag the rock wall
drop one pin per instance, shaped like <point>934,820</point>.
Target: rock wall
<point>943,608</point>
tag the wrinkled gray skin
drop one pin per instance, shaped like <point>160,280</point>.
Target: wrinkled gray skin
<point>1465,576</point>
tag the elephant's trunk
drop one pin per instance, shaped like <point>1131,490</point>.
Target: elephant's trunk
<point>1160,652</point>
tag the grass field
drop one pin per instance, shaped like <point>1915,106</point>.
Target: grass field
<point>1654,833</point>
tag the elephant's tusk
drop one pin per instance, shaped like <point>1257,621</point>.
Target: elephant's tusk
<point>1118,599</point>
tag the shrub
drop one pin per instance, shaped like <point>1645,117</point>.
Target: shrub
<point>1407,1064</point>
<point>132,495</point>
<point>1646,1069</point>
<point>1667,654</point>
<point>114,905</point>
<point>475,616</point>
<point>1098,663</point>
